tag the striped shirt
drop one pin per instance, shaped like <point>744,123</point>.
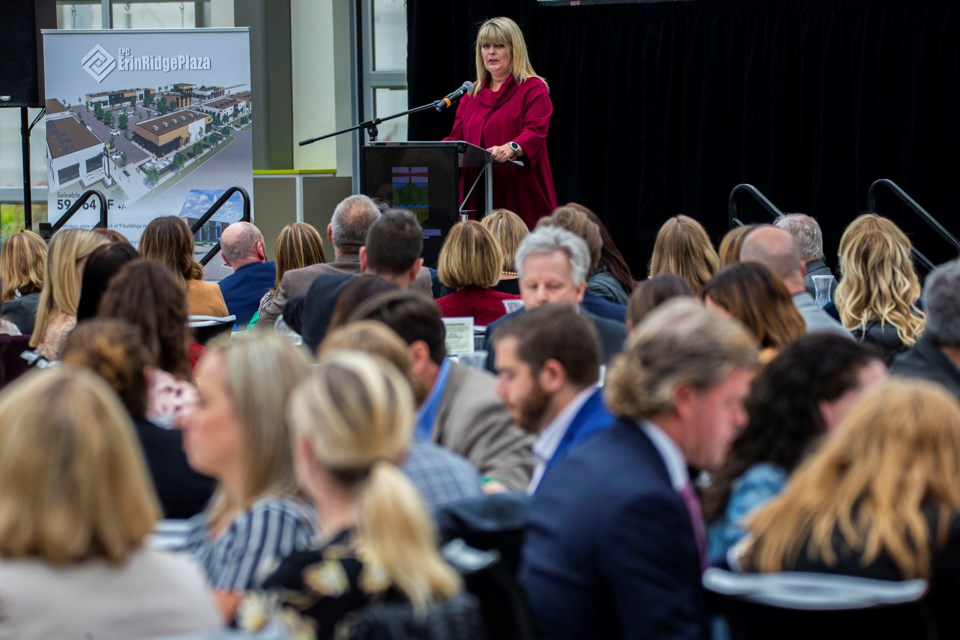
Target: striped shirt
<point>251,547</point>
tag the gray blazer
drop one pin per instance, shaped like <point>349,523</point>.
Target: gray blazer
<point>296,282</point>
<point>473,422</point>
<point>816,318</point>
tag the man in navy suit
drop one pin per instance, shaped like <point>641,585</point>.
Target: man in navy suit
<point>553,264</point>
<point>548,362</point>
<point>615,542</point>
<point>243,250</point>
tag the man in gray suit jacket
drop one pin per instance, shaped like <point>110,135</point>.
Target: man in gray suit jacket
<point>776,250</point>
<point>347,232</point>
<point>461,411</point>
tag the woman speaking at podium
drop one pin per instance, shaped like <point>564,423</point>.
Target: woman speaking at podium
<point>508,114</point>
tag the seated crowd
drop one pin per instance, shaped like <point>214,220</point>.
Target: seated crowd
<point>296,477</point>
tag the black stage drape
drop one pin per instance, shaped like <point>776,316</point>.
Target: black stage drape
<point>663,108</point>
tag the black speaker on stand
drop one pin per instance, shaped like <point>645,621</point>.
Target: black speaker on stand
<point>21,71</point>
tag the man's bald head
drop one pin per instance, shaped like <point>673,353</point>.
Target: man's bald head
<point>242,244</point>
<point>776,250</point>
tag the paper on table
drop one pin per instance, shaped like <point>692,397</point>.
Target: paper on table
<point>459,335</point>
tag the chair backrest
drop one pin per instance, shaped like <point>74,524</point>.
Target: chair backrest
<point>805,605</point>
<point>455,619</point>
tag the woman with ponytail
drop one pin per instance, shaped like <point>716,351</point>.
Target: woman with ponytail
<point>351,422</point>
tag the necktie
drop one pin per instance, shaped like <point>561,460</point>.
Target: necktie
<point>692,503</point>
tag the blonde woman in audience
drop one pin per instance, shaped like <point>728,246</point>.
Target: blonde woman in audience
<point>168,240</point>
<point>750,293</point>
<point>352,420</point>
<point>238,435</point>
<point>470,264</point>
<point>509,229</point>
<point>21,274</point>
<point>683,248</point>
<point>75,511</point>
<point>57,308</point>
<point>729,251</point>
<point>298,245</point>
<point>879,288</point>
<point>880,499</point>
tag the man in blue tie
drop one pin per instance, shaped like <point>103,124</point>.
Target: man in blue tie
<point>615,543</point>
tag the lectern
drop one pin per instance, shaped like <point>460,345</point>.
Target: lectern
<point>424,178</point>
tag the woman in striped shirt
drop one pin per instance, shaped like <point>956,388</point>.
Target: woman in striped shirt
<point>238,435</point>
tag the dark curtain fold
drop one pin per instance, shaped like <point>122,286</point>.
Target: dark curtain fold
<point>662,108</point>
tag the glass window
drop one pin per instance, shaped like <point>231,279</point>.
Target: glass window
<point>158,15</point>
<point>388,101</point>
<point>389,35</point>
<point>79,15</point>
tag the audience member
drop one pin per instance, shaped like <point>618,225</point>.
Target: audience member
<point>577,222</point>
<point>22,273</point>
<point>298,245</point>
<point>809,239</point>
<point>613,275</point>
<point>879,287</point>
<point>936,355</point>
<point>392,252</point>
<point>509,229</point>
<point>799,397</point>
<point>729,250</point>
<point>553,265</point>
<point>244,250</point>
<point>653,292</point>
<point>357,291</point>
<point>775,249</point>
<point>880,499</point>
<point>352,420</point>
<point>75,512</point>
<point>461,411</point>
<point>440,475</point>
<point>548,363</point>
<point>615,541</point>
<point>111,235</point>
<point>168,240</point>
<point>113,350</point>
<point>748,292</point>
<point>57,307</point>
<point>470,265</point>
<point>683,248</point>
<point>147,296</point>
<point>238,435</point>
<point>104,263</point>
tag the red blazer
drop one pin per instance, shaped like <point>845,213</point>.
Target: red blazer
<point>483,305</point>
<point>519,113</point>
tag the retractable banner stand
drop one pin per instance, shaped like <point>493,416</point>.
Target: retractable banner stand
<point>159,121</point>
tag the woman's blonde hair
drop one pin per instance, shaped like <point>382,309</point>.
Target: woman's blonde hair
<point>357,412</point>
<point>507,32</point>
<point>574,219</point>
<point>61,292</point>
<point>878,281</point>
<point>509,229</point>
<point>470,257</point>
<point>169,241</point>
<point>260,371</point>
<point>298,245</point>
<point>895,454</point>
<point>683,248</point>
<point>73,484</point>
<point>21,265</point>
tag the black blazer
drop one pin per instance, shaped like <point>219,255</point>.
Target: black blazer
<point>610,551</point>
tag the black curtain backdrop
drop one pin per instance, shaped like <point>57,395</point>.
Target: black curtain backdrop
<point>662,108</point>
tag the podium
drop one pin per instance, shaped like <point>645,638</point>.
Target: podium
<point>424,178</point>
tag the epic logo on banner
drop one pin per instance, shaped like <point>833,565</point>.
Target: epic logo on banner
<point>99,63</point>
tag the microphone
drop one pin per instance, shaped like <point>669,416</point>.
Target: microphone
<point>448,101</point>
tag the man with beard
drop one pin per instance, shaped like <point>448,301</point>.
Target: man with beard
<point>548,362</point>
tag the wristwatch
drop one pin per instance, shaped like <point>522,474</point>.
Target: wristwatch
<point>516,148</point>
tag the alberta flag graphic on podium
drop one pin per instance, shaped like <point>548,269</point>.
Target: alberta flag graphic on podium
<point>159,121</point>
